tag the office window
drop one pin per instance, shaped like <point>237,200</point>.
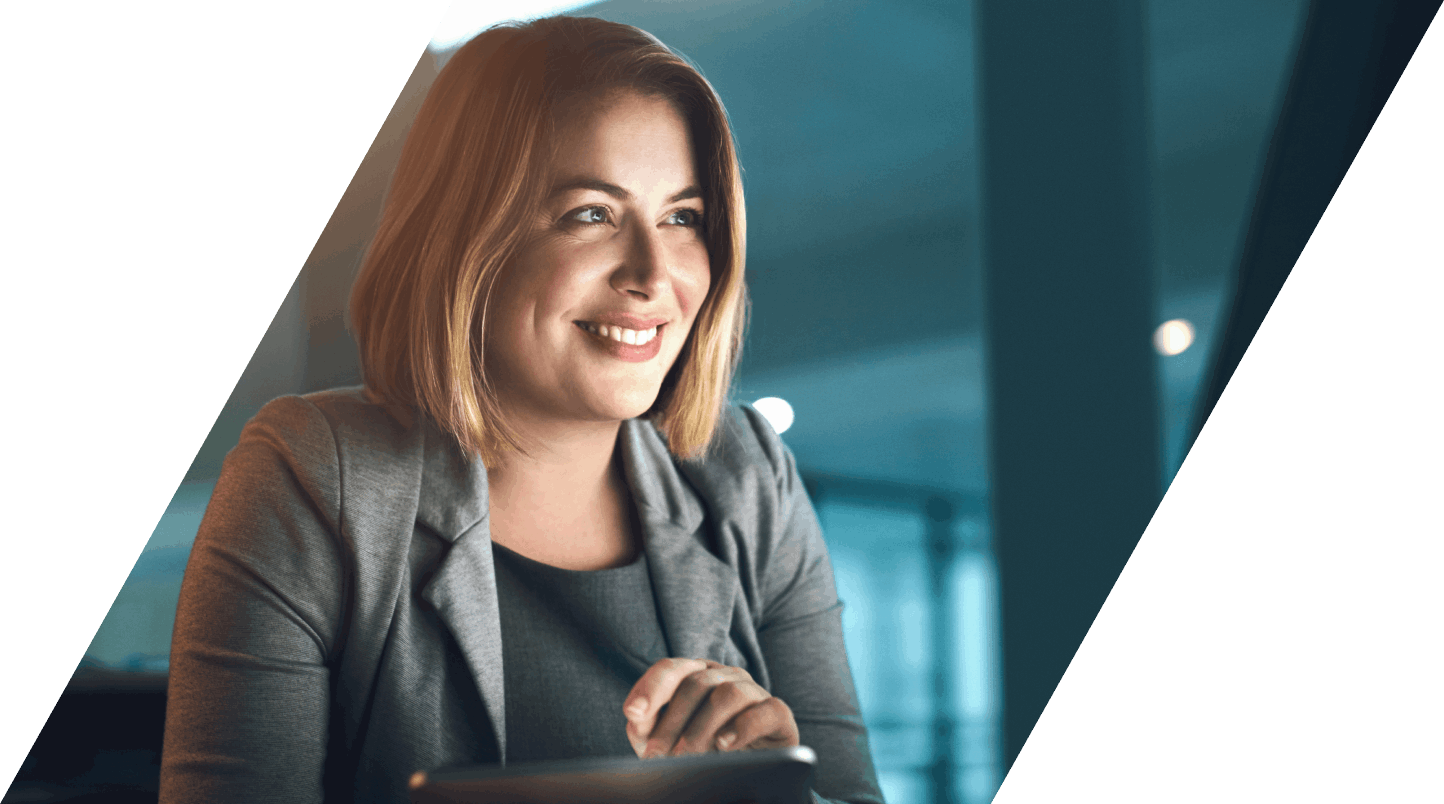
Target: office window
<point>919,591</point>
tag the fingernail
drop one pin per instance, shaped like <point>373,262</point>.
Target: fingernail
<point>636,709</point>
<point>725,739</point>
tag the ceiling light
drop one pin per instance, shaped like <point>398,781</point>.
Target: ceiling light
<point>777,412</point>
<point>1172,337</point>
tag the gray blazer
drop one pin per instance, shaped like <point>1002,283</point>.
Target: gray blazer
<point>338,626</point>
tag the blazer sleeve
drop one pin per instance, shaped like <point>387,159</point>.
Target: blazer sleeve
<point>260,609</point>
<point>800,635</point>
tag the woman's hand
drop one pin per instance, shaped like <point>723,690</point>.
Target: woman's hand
<point>692,706</point>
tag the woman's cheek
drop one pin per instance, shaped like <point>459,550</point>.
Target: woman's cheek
<point>692,287</point>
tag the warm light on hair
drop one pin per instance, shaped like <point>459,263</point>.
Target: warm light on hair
<point>465,194</point>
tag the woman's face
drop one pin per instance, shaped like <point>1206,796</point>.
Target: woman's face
<point>586,321</point>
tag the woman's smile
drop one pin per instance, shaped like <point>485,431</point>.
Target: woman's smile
<point>632,345</point>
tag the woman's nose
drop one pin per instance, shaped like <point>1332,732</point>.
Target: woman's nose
<point>643,273</point>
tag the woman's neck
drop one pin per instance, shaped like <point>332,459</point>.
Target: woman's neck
<point>565,502</point>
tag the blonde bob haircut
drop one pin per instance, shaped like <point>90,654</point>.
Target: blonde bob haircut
<point>463,200</point>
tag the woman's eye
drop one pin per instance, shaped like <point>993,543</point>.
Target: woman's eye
<point>685,217</point>
<point>590,215</point>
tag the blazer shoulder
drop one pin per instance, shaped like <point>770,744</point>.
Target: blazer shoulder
<point>358,419</point>
<point>336,424</point>
<point>332,443</point>
<point>288,445</point>
<point>746,449</point>
<point>747,474</point>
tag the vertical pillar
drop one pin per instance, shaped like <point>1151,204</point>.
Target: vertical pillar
<point>1068,277</point>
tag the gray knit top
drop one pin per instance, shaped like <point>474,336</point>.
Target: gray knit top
<point>573,644</point>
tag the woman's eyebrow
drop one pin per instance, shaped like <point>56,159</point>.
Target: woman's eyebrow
<point>619,193</point>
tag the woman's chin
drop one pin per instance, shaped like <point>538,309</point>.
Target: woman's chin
<point>622,406</point>
<point>637,410</point>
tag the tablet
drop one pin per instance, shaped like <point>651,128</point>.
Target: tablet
<point>775,776</point>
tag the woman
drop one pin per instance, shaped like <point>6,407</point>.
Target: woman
<point>537,532</point>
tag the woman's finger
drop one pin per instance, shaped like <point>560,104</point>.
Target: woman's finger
<point>725,700</point>
<point>652,692</point>
<point>766,724</point>
<point>690,694</point>
<point>656,687</point>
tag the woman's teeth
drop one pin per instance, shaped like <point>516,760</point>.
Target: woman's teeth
<point>632,337</point>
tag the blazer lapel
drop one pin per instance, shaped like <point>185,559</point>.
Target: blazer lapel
<point>463,590</point>
<point>695,589</point>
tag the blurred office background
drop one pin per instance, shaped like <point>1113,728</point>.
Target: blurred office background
<point>878,161</point>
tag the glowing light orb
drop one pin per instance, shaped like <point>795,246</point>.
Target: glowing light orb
<point>1172,337</point>
<point>777,412</point>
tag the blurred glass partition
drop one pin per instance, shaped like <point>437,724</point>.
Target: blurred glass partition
<point>917,579</point>
<point>135,635</point>
<point>880,561</point>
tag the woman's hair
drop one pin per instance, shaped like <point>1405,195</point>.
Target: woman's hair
<point>464,198</point>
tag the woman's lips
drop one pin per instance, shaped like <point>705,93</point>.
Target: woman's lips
<point>624,343</point>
